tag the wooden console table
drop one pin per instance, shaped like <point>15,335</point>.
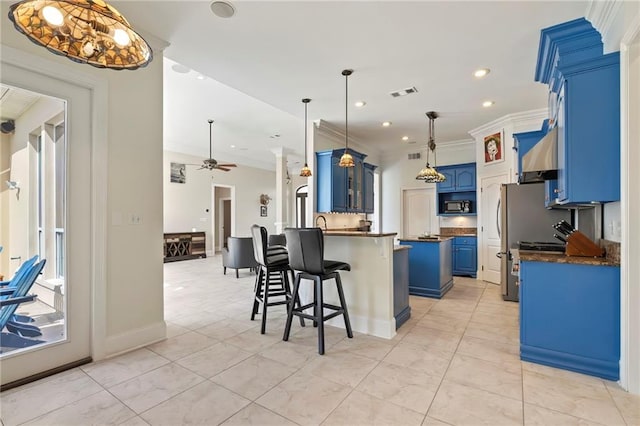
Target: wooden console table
<point>184,246</point>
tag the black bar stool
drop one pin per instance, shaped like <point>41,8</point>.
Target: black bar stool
<point>272,280</point>
<point>306,255</point>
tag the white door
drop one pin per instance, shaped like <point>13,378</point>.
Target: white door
<point>418,212</point>
<point>489,243</point>
<point>61,232</point>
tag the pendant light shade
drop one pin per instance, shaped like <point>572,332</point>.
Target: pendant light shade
<point>85,31</point>
<point>346,160</point>
<point>306,171</point>
<point>429,174</point>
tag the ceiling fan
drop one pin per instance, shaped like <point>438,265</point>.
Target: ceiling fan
<point>211,163</point>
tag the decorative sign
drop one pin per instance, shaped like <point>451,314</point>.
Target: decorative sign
<point>178,173</point>
<point>493,149</point>
<point>263,211</point>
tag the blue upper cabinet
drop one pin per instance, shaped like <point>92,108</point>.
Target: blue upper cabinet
<point>459,177</point>
<point>342,189</point>
<point>586,85</point>
<point>460,185</point>
<point>368,187</point>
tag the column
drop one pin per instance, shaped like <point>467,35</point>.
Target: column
<point>281,189</point>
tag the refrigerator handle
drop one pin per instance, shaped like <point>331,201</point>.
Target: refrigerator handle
<point>498,218</point>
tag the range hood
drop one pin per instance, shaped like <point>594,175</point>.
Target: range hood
<point>541,162</point>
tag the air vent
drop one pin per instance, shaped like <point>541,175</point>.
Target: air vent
<point>414,156</point>
<point>404,92</point>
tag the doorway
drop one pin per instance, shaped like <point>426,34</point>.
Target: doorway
<point>223,220</point>
<point>418,212</point>
<point>50,140</point>
<point>489,242</point>
<point>302,195</point>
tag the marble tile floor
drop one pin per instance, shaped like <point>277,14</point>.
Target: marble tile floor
<point>455,362</point>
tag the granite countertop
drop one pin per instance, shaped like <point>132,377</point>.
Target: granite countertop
<point>562,258</point>
<point>427,240</point>
<point>359,234</point>
<point>398,248</point>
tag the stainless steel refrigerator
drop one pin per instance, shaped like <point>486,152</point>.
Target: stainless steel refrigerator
<point>523,218</point>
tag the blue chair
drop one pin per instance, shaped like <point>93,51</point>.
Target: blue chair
<point>8,306</point>
<point>7,287</point>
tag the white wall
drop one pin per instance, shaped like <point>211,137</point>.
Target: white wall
<point>185,204</point>
<point>398,173</point>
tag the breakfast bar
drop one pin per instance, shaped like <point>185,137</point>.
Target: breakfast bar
<point>368,287</point>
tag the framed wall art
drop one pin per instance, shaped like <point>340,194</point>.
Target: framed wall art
<point>178,173</point>
<point>493,148</point>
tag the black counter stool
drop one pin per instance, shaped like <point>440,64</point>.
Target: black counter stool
<point>306,255</point>
<point>272,280</point>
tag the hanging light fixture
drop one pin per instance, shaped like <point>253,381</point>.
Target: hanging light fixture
<point>85,31</point>
<point>346,160</point>
<point>306,171</point>
<point>430,174</point>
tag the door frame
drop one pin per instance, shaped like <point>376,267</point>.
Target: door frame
<point>220,224</point>
<point>630,200</point>
<point>480,218</point>
<point>98,89</point>
<point>215,226</point>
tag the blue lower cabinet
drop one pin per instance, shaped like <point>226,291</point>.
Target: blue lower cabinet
<point>430,267</point>
<point>570,317</point>
<point>465,256</point>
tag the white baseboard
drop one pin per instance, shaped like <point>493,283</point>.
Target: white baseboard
<point>135,339</point>
<point>210,253</point>
<point>372,327</point>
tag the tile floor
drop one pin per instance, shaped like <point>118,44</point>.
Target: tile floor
<point>455,362</point>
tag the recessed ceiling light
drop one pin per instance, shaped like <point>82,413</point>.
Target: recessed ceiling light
<point>386,123</point>
<point>360,104</point>
<point>222,9</point>
<point>487,104</point>
<point>405,138</point>
<point>181,69</point>
<point>232,146</point>
<point>482,72</point>
<point>200,77</point>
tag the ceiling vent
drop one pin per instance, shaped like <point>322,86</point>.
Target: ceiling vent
<point>404,92</point>
<point>413,156</point>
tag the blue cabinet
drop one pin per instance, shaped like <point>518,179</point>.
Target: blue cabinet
<point>460,184</point>
<point>570,317</point>
<point>430,272</point>
<point>589,131</point>
<point>584,87</point>
<point>523,142</point>
<point>368,187</point>
<point>465,256</point>
<point>342,189</point>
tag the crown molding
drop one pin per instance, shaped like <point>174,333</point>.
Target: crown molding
<point>335,134</point>
<point>602,14</point>
<point>512,119</point>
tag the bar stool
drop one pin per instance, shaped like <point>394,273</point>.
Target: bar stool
<point>306,255</point>
<point>272,280</point>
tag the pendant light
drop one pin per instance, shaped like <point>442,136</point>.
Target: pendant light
<point>85,31</point>
<point>346,160</point>
<point>306,171</point>
<point>430,174</point>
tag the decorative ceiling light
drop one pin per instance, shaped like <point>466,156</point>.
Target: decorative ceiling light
<point>85,31</point>
<point>306,171</point>
<point>430,174</point>
<point>346,160</point>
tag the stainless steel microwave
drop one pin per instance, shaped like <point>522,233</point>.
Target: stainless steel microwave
<point>457,206</point>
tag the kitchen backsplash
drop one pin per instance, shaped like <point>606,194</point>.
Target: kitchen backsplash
<point>458,222</point>
<point>339,220</point>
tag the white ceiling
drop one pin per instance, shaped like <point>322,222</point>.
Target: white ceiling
<point>272,54</point>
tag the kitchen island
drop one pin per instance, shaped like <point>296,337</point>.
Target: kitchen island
<point>369,286</point>
<point>430,266</point>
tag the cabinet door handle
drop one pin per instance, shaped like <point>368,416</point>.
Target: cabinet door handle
<point>556,191</point>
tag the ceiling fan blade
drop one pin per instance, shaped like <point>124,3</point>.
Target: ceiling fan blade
<point>224,169</point>
<point>191,164</point>
<point>228,165</point>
